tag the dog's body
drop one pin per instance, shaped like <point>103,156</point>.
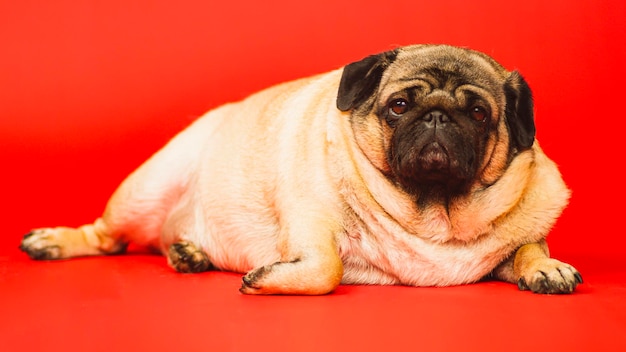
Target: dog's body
<point>306,185</point>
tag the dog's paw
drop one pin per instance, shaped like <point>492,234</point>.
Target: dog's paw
<point>42,244</point>
<point>251,283</point>
<point>185,257</point>
<point>550,276</point>
<point>295,277</point>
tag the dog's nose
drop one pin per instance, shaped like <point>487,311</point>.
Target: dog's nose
<point>436,117</point>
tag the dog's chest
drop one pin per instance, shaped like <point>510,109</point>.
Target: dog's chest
<point>382,252</point>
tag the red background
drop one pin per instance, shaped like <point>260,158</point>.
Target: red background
<point>90,89</point>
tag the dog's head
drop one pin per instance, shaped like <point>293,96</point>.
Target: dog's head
<point>436,118</point>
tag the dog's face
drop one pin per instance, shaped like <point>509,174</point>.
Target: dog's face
<point>437,120</point>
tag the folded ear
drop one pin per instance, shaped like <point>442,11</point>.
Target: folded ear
<point>361,79</point>
<point>519,111</point>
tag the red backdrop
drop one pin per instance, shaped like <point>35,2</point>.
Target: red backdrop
<point>90,88</point>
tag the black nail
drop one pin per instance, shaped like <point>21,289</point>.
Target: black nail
<point>578,277</point>
<point>521,284</point>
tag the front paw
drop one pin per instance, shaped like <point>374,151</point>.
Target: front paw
<point>550,276</point>
<point>251,283</point>
<point>296,277</point>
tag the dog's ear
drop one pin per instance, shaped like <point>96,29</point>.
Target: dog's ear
<point>360,79</point>
<point>519,111</point>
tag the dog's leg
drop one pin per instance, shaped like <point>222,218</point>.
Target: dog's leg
<point>310,265</point>
<point>66,242</point>
<point>532,269</point>
<point>313,274</point>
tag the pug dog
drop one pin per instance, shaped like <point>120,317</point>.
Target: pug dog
<point>417,166</point>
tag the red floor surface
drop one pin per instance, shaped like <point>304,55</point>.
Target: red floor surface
<point>136,303</point>
<point>90,89</point>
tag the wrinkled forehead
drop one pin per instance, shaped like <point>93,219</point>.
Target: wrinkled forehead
<point>443,67</point>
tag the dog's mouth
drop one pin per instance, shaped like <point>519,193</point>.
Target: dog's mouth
<point>432,172</point>
<point>434,158</point>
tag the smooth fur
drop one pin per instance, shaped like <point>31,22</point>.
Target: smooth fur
<point>294,186</point>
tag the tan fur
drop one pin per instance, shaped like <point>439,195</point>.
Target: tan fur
<point>289,189</point>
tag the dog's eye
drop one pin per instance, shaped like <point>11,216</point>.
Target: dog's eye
<point>479,113</point>
<point>397,107</point>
